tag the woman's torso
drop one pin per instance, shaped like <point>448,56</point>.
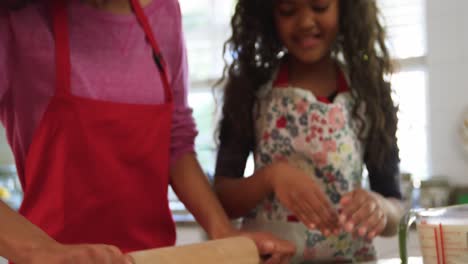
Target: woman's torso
<point>111,61</point>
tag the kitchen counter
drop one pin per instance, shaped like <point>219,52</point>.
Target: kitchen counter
<point>189,232</point>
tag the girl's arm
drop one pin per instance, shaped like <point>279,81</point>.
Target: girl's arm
<point>240,196</point>
<point>385,181</point>
<point>237,194</point>
<point>394,211</point>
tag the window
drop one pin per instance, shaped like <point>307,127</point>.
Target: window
<point>405,22</point>
<point>206,28</point>
<point>406,29</point>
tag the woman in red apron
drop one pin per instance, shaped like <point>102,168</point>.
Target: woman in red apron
<point>97,172</point>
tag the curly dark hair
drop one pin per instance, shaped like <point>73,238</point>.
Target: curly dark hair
<point>255,47</point>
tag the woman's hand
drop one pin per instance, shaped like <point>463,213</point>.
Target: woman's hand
<point>363,213</point>
<point>271,249</point>
<point>55,253</point>
<point>298,192</point>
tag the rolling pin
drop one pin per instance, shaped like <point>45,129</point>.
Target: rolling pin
<point>239,250</point>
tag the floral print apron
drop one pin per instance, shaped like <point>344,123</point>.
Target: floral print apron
<point>321,139</point>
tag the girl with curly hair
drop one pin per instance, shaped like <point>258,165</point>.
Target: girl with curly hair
<point>305,92</point>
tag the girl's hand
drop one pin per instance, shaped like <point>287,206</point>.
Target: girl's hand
<point>298,192</point>
<point>55,253</point>
<point>363,213</point>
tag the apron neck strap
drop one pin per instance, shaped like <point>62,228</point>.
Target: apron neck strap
<point>158,58</point>
<point>62,47</point>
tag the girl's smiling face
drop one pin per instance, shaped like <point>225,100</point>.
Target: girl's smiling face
<point>307,28</point>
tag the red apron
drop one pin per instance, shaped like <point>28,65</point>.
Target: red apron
<point>98,172</point>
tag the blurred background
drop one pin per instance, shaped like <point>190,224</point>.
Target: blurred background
<point>429,41</point>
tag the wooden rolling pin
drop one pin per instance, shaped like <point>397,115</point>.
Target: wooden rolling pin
<point>239,250</point>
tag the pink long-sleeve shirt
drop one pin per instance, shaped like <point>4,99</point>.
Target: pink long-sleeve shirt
<point>110,58</point>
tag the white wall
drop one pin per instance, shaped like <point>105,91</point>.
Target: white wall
<point>447,27</point>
